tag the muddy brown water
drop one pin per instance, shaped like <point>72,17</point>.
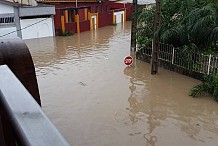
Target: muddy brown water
<point>94,99</point>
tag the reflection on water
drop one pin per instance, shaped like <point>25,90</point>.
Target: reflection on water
<point>95,99</point>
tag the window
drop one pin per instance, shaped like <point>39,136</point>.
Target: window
<point>102,8</point>
<point>6,20</point>
<point>96,8</point>
<point>106,7</point>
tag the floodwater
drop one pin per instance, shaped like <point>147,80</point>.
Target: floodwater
<point>94,99</point>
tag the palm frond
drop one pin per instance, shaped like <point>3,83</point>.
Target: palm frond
<point>198,90</point>
<point>173,36</point>
<point>214,33</point>
<point>215,94</point>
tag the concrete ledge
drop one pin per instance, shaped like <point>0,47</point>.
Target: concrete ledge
<point>36,11</point>
<point>6,15</point>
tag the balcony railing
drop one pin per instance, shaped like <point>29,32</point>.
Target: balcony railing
<point>22,121</point>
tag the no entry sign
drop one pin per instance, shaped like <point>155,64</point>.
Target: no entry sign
<point>128,60</point>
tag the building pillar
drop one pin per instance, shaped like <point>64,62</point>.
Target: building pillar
<point>85,14</point>
<point>62,22</point>
<point>77,23</point>
<point>114,18</point>
<point>124,15</point>
<point>76,12</point>
<point>96,20</point>
<point>66,16</point>
<point>90,19</point>
<point>89,13</point>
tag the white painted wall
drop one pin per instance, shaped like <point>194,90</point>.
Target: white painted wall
<point>43,28</point>
<point>119,16</point>
<point>6,9</point>
<point>4,31</point>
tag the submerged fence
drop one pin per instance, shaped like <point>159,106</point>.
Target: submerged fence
<point>186,62</point>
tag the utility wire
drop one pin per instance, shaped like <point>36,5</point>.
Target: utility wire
<point>25,27</point>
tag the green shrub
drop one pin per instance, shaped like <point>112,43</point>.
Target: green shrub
<point>209,86</point>
<point>114,24</point>
<point>66,33</point>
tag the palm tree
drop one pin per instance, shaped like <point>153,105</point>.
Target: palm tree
<point>199,29</point>
<point>189,24</point>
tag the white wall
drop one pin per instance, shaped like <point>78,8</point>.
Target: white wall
<point>6,9</point>
<point>43,28</point>
<point>4,31</point>
<point>119,16</point>
<point>95,22</point>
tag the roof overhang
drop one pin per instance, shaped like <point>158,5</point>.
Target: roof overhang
<point>39,10</point>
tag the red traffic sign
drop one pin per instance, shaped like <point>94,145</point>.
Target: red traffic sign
<point>128,60</point>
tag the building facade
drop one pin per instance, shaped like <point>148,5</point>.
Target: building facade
<point>83,15</point>
<point>24,21</point>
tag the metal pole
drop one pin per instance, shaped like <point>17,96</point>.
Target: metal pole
<point>134,25</point>
<point>173,55</point>
<point>76,3</point>
<point>155,44</point>
<point>209,63</point>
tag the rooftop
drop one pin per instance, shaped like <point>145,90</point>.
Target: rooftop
<point>19,2</point>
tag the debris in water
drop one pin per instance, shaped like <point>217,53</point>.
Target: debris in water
<point>82,84</point>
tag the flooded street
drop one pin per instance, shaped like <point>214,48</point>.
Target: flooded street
<point>94,99</point>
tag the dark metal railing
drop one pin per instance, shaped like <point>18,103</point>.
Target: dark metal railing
<point>22,121</point>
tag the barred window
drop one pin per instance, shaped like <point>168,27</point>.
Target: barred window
<point>6,20</point>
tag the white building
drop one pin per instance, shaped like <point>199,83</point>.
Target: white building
<point>139,2</point>
<point>26,21</point>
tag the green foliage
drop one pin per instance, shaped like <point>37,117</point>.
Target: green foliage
<point>66,33</point>
<point>145,29</point>
<point>208,86</point>
<point>197,27</point>
<point>143,41</point>
<point>189,24</point>
<point>114,24</point>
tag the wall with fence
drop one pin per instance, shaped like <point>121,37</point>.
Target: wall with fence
<point>189,63</point>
